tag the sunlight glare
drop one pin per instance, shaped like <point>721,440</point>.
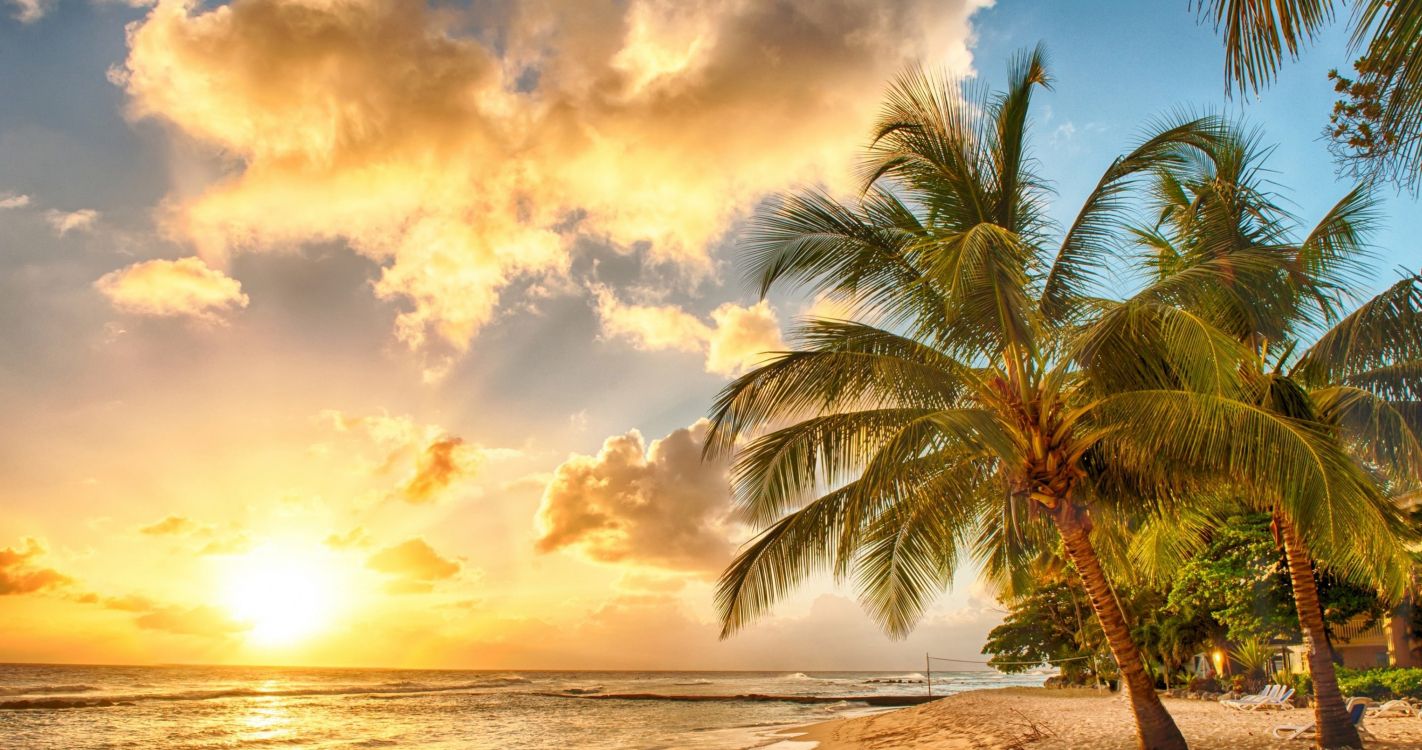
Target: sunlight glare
<point>286,596</point>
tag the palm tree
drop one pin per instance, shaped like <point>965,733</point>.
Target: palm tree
<point>1360,382</point>
<point>973,400</point>
<point>1376,126</point>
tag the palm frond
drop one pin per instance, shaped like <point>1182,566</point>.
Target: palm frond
<point>1386,330</point>
<point>1258,34</point>
<point>1089,244</point>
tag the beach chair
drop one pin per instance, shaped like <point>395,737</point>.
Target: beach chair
<point>1357,709</point>
<point>1392,708</point>
<point>1272,697</point>
<point>1249,700</point>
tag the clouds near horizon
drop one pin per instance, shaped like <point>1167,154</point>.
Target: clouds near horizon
<point>460,165</point>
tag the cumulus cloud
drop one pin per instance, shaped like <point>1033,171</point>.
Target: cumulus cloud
<point>13,200</point>
<point>659,505</point>
<point>429,462</point>
<point>186,287</point>
<point>413,566</point>
<point>461,164</point>
<point>735,340</point>
<point>64,222</point>
<point>19,573</point>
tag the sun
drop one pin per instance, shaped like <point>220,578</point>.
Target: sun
<point>284,595</point>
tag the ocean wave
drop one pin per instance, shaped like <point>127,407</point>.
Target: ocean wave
<point>593,690</point>
<point>693,682</point>
<point>101,701</point>
<point>46,689</point>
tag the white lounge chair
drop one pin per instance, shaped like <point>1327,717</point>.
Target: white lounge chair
<point>1392,708</point>
<point>1357,709</point>
<point>1274,696</point>
<point>1268,692</point>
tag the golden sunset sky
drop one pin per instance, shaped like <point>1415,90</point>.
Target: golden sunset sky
<point>378,332</point>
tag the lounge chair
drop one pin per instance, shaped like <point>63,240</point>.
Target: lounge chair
<point>1392,708</point>
<point>1357,709</point>
<point>1274,696</point>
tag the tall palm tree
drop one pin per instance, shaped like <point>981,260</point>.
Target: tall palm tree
<point>1377,126</point>
<point>1359,381</point>
<point>972,400</point>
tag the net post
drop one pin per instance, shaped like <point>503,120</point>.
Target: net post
<point>928,673</point>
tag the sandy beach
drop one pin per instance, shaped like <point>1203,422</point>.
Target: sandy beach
<point>1041,719</point>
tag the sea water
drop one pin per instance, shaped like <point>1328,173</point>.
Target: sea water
<point>45,707</point>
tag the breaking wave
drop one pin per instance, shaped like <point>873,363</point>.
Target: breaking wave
<point>100,701</point>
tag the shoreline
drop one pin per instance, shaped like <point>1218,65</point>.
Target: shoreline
<point>1062,719</point>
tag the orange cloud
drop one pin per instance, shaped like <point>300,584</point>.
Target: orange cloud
<point>460,166</point>
<point>736,339</point>
<point>20,575</point>
<point>657,505</point>
<point>433,461</point>
<point>437,467</point>
<point>173,288</point>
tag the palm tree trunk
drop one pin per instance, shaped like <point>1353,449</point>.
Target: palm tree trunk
<point>1329,711</point>
<point>1154,726</point>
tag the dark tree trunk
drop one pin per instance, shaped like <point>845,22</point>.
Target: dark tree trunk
<point>1154,726</point>
<point>1329,711</point>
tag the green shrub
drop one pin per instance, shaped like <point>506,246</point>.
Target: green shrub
<point>1381,684</point>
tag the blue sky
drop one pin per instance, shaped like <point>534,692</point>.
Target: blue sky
<point>1119,64</point>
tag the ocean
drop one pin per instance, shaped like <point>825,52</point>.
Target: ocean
<point>45,707</point>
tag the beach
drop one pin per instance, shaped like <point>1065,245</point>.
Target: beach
<point>1043,719</point>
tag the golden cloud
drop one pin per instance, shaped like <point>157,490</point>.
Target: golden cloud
<point>172,525</point>
<point>461,167</point>
<point>735,340</point>
<point>413,565</point>
<point>173,288</point>
<point>659,505</point>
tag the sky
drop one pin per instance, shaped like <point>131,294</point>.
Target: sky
<point>380,333</point>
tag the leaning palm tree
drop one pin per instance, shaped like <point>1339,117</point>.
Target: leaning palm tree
<point>1356,378</point>
<point>968,403</point>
